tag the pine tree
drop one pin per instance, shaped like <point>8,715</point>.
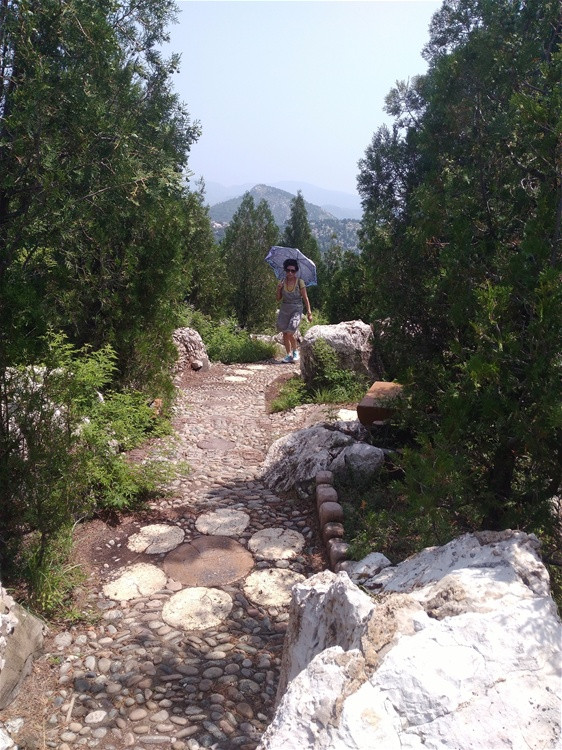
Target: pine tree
<point>298,234</point>
<point>248,238</point>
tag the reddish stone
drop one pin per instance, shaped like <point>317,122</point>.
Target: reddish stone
<point>325,494</point>
<point>208,561</point>
<point>332,530</point>
<point>324,477</point>
<point>337,551</point>
<point>330,512</point>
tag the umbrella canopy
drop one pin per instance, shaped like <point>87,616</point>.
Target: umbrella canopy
<point>307,268</point>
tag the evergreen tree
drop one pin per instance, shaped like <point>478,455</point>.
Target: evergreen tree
<point>92,144</point>
<point>204,267</point>
<point>462,239</point>
<point>248,238</point>
<point>298,234</point>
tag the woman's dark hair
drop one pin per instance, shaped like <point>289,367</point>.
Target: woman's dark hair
<point>289,262</point>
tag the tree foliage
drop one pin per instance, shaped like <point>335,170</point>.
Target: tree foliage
<point>92,144</point>
<point>251,284</point>
<point>298,234</point>
<point>462,259</point>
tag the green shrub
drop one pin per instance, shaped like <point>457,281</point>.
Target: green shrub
<point>292,393</point>
<point>48,574</point>
<point>331,384</point>
<point>59,453</point>
<point>226,342</point>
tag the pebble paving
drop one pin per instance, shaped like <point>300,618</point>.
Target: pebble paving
<point>150,673</point>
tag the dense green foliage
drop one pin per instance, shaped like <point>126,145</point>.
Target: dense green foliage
<point>251,285</point>
<point>298,233</point>
<point>92,206</point>
<point>226,342</point>
<point>461,265</point>
<point>65,457</point>
<point>331,384</point>
<point>97,234</point>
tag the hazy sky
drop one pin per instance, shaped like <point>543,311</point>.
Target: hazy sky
<point>292,90</point>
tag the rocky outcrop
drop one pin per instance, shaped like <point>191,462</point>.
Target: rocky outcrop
<point>457,647</point>
<point>192,354</point>
<point>352,341</point>
<point>295,459</point>
<point>21,640</point>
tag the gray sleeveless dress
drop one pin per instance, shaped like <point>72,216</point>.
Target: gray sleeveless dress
<point>291,310</point>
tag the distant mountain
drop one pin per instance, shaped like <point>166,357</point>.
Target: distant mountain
<point>279,202</point>
<point>325,226</point>
<point>339,204</point>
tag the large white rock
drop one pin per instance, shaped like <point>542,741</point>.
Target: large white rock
<point>351,340</point>
<point>296,458</point>
<point>21,641</point>
<point>192,354</point>
<point>459,648</point>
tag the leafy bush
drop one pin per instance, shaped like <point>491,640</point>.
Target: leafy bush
<point>59,452</point>
<point>226,342</point>
<point>331,384</point>
<point>292,393</point>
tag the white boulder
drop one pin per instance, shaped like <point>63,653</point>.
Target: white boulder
<point>295,459</point>
<point>460,647</point>
<point>351,340</point>
<point>192,354</point>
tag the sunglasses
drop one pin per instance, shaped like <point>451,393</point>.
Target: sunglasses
<point>291,270</point>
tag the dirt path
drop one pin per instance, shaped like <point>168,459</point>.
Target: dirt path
<point>186,655</point>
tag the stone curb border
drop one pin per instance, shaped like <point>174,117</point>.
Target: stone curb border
<point>330,518</point>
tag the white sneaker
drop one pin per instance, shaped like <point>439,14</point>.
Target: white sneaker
<point>296,356</point>
<point>287,359</point>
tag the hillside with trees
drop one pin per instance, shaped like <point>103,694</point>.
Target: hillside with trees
<point>326,228</point>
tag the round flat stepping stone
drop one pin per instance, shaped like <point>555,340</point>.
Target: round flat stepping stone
<point>235,379</point>
<point>208,561</point>
<point>140,579</point>
<point>225,522</point>
<point>242,371</point>
<point>155,539</point>
<point>347,415</point>
<point>271,587</point>
<point>216,444</point>
<point>276,543</point>
<point>197,608</point>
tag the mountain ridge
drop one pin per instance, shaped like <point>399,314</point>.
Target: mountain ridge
<point>326,227</point>
<point>340,204</point>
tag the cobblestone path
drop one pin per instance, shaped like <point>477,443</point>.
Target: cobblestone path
<point>143,674</point>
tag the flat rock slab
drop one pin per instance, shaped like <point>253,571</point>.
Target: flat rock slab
<point>276,543</point>
<point>197,608</point>
<point>271,587</point>
<point>225,522</point>
<point>208,561</point>
<point>140,579</point>
<point>235,379</point>
<point>156,539</point>
<point>216,444</point>
<point>347,415</point>
<point>241,371</point>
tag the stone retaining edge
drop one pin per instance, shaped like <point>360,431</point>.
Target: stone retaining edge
<point>330,519</point>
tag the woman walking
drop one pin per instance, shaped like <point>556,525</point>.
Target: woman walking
<point>291,293</point>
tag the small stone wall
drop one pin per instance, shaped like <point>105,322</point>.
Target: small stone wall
<point>330,518</point>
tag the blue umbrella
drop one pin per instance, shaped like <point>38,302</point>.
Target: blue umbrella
<point>307,268</point>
